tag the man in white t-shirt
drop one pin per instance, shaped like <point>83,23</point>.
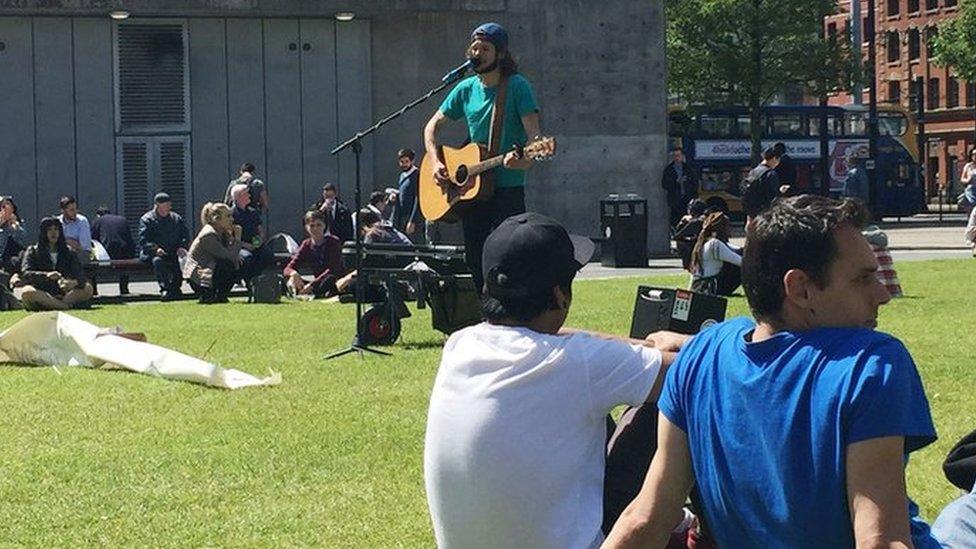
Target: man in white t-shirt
<point>516,432</point>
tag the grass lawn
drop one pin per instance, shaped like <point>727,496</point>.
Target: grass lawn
<point>332,457</point>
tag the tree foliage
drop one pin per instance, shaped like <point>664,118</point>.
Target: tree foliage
<point>745,52</point>
<point>955,44</point>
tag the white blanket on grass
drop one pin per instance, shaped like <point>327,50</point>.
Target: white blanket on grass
<point>59,339</point>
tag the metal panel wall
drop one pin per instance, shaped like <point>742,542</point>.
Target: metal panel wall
<point>245,93</point>
<point>17,167</point>
<point>54,113</point>
<point>355,100</point>
<point>283,123</point>
<point>94,114</point>
<point>319,116</point>
<point>208,100</point>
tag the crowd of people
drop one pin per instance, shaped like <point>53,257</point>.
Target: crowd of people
<point>232,246</point>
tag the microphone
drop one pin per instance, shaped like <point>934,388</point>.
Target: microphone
<point>471,63</point>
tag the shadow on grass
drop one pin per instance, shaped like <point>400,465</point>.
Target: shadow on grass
<point>419,345</point>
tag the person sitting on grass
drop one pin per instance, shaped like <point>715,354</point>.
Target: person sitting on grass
<point>376,230</point>
<point>796,427</point>
<point>715,264</point>
<point>320,254</point>
<point>213,262</point>
<point>515,447</point>
<point>53,277</point>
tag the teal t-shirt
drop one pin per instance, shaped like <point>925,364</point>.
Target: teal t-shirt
<point>474,102</point>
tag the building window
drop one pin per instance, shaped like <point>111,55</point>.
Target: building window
<point>865,31</point>
<point>914,44</point>
<point>930,34</point>
<point>952,93</point>
<point>912,6</point>
<point>894,91</point>
<point>894,47</point>
<point>894,6</point>
<point>832,32</point>
<point>934,99</point>
<point>931,4</point>
<point>970,94</point>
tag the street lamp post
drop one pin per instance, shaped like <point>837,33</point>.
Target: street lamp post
<point>873,179</point>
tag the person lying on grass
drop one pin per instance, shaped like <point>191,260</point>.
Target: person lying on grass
<point>796,427</point>
<point>320,254</point>
<point>516,430</point>
<point>51,273</point>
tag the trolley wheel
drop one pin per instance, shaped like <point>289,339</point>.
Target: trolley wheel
<point>378,327</point>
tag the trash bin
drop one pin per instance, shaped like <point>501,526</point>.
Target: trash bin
<point>623,223</point>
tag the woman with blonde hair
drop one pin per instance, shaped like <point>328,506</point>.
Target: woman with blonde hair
<point>715,264</point>
<point>213,261</point>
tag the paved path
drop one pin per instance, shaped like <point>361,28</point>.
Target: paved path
<point>912,239</point>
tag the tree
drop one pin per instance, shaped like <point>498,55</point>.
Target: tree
<point>744,52</point>
<point>955,43</point>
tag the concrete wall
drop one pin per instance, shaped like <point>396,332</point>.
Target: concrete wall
<point>598,69</point>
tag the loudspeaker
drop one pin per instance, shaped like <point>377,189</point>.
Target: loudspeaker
<point>681,311</point>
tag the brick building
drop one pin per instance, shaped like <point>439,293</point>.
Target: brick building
<point>905,29</point>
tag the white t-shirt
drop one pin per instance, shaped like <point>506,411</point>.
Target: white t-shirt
<point>714,253</point>
<point>516,435</point>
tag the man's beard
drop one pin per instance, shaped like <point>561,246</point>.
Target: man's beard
<point>406,168</point>
<point>489,68</point>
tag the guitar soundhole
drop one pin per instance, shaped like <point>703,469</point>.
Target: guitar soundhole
<point>461,175</point>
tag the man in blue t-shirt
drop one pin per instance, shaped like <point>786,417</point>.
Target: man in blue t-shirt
<point>795,428</point>
<point>473,99</point>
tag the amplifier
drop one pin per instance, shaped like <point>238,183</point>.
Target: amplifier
<point>681,311</point>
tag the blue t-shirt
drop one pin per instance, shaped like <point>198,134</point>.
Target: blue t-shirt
<point>768,424</point>
<point>474,102</point>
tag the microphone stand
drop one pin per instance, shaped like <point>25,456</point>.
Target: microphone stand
<point>359,344</point>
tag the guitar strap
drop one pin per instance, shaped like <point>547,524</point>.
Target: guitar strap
<point>495,133</point>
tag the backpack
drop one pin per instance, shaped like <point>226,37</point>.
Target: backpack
<point>266,288</point>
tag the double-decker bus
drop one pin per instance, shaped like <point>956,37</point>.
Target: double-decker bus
<point>716,143</point>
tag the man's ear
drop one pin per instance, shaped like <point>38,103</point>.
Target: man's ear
<point>560,300</point>
<point>796,288</point>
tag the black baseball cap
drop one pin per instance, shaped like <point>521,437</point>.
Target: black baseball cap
<point>530,252</point>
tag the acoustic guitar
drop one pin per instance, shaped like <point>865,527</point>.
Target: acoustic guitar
<point>466,168</point>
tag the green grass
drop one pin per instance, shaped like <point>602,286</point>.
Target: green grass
<point>332,457</point>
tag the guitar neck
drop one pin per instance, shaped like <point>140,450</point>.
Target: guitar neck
<point>486,165</point>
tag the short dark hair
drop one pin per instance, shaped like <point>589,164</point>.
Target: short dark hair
<point>780,148</point>
<point>247,167</point>
<point>794,233</point>
<point>367,217</point>
<point>376,197</point>
<point>771,152</point>
<point>330,187</point>
<point>102,210</point>
<point>66,201</point>
<point>406,152</point>
<point>523,309</point>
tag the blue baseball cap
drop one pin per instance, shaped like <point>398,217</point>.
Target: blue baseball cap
<point>494,33</point>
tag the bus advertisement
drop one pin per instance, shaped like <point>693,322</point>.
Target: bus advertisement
<point>716,145</point>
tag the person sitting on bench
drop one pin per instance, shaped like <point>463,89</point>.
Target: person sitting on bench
<point>53,277</point>
<point>376,230</point>
<point>320,254</point>
<point>213,262</point>
<point>13,237</point>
